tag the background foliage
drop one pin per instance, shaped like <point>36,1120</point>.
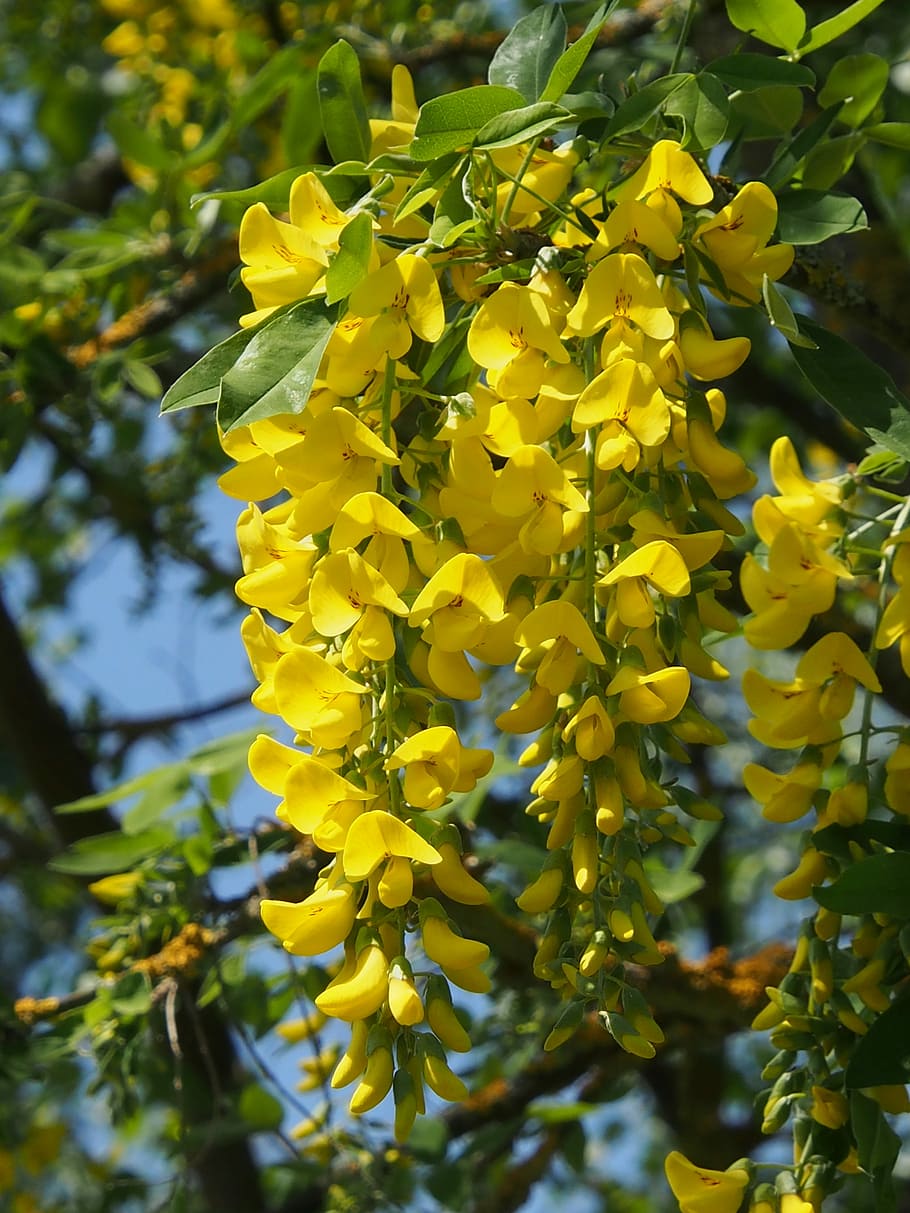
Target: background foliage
<point>163,1086</point>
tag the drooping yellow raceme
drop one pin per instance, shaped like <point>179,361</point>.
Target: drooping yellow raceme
<point>558,512</point>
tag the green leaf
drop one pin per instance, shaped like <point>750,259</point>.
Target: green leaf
<point>300,136</point>
<point>342,109</point>
<point>274,191</point>
<point>810,216</point>
<point>827,31</point>
<point>882,1056</point>
<point>836,839</point>
<point>453,210</point>
<point>891,134</point>
<point>349,265</point>
<point>104,854</point>
<point>634,112</point>
<point>201,384</point>
<point>878,884</point>
<point>768,112</point>
<point>571,61</point>
<point>167,790</point>
<point>431,181</point>
<point>222,753</point>
<point>428,1139</point>
<point>829,161</point>
<point>792,154</point>
<point>131,995</point>
<point>275,372</point>
<point>780,313</point>
<point>121,791</point>
<point>856,386</point>
<point>560,1113</point>
<point>881,464</point>
<point>143,378</point>
<point>877,1147</point>
<point>858,81</point>
<point>136,143</point>
<point>281,69</point>
<point>780,23</point>
<point>749,72</point>
<point>521,125</point>
<point>449,123</point>
<point>702,104</point>
<point>197,851</point>
<point>259,1108</point>
<point>526,57</point>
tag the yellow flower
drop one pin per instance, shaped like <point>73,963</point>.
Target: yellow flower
<point>435,763</point>
<point>559,630</point>
<point>634,223</point>
<point>281,263</point>
<point>359,989</point>
<point>313,212</point>
<point>784,798</point>
<point>404,296</point>
<point>897,779</point>
<point>513,330</point>
<point>345,590</point>
<point>736,239</point>
<point>592,730</point>
<point>668,168</point>
<point>895,621</point>
<point>649,698</point>
<point>377,836</point>
<point>458,604</point>
<point>317,699</point>
<point>621,289</point>
<point>829,1108</point>
<point>317,924</point>
<point>404,1001</point>
<point>547,175</point>
<point>532,483</point>
<point>657,564</point>
<point>311,789</point>
<point>700,1190</point>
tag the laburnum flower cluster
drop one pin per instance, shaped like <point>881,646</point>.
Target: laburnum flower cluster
<point>817,540</point>
<point>508,458</point>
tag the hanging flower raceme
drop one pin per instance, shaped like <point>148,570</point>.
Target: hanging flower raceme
<point>475,469</point>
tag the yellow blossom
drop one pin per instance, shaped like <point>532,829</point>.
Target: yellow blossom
<point>700,1190</point>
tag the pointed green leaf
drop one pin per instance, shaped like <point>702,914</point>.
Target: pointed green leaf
<point>104,854</point>
<point>526,57</point>
<point>780,23</point>
<point>792,154</point>
<point>521,125</point>
<point>882,1056</point>
<point>891,134</point>
<point>449,123</point>
<point>349,265</point>
<point>827,31</point>
<point>634,112</point>
<point>274,191</point>
<point>858,81</point>
<point>703,106</point>
<point>766,113</point>
<point>748,72</point>
<point>342,109</point>
<point>122,791</point>
<point>201,384</point>
<point>856,386</point>
<point>275,372</point>
<point>878,884</point>
<point>810,216</point>
<point>571,61</point>
<point>781,314</point>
